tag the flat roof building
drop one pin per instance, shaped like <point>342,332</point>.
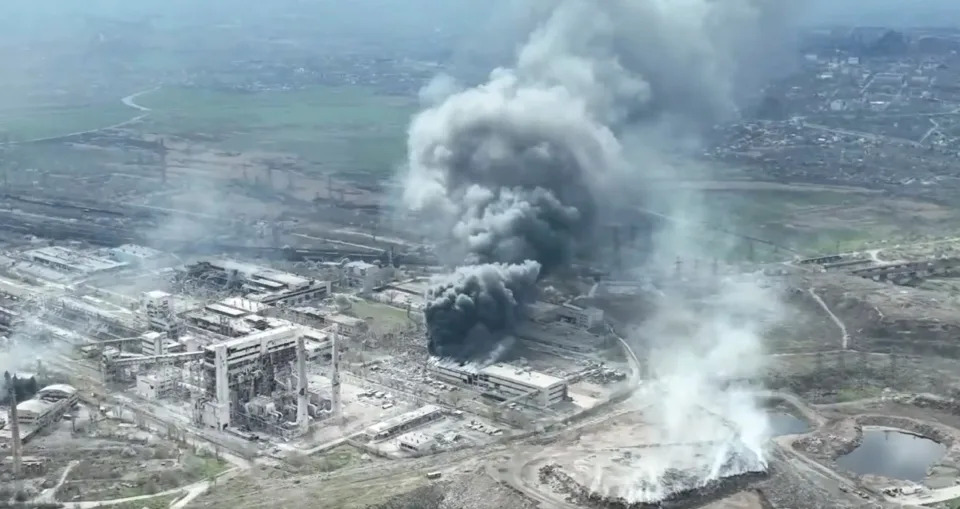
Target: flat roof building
<point>399,424</point>
<point>502,381</point>
<point>349,326</point>
<point>265,285</point>
<point>70,261</point>
<point>415,442</point>
<point>134,254</point>
<point>49,405</point>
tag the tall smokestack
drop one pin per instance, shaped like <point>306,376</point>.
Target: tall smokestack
<point>14,424</point>
<point>335,377</point>
<point>303,418</point>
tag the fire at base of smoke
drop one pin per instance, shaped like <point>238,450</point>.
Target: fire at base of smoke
<point>470,312</point>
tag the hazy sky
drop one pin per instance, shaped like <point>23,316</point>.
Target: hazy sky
<point>45,18</point>
<point>884,12</point>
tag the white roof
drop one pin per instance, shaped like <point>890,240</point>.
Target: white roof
<point>222,309</point>
<point>350,321</point>
<point>534,379</point>
<point>400,420</point>
<point>314,334</point>
<point>416,287</point>
<point>136,250</point>
<point>415,438</point>
<point>64,388</point>
<point>34,407</point>
<point>279,334</point>
<point>81,262</point>
<point>245,304</point>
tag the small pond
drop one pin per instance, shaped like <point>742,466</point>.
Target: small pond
<point>893,454</point>
<point>782,423</point>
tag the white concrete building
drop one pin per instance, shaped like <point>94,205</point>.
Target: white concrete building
<point>153,343</point>
<point>349,326</point>
<point>49,405</point>
<point>367,276</point>
<point>157,385</point>
<point>504,382</point>
<point>399,424</point>
<point>415,442</point>
<point>584,318</point>
<point>134,254</point>
<point>157,311</point>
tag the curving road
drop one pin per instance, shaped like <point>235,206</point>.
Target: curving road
<point>845,338</point>
<point>128,101</point>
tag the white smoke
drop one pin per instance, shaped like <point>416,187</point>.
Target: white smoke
<point>439,89</point>
<point>703,357</point>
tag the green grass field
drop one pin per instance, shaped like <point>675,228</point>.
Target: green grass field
<point>339,129</point>
<point>811,221</point>
<point>27,122</point>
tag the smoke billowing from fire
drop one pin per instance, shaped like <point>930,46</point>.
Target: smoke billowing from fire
<point>520,167</point>
<point>475,308</point>
<point>702,356</point>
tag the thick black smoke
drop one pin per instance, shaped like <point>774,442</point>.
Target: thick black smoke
<point>470,313</point>
<point>519,168</point>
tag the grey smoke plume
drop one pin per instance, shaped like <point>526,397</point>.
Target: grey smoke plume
<point>513,169</point>
<point>470,312</point>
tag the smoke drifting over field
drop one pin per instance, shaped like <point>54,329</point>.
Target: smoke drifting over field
<point>519,167</point>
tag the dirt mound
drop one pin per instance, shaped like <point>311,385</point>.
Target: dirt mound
<point>554,476</point>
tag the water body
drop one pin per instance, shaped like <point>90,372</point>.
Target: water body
<point>782,423</point>
<point>893,454</point>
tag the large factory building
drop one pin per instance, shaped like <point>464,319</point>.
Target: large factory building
<point>503,382</point>
<point>263,284</point>
<point>241,368</point>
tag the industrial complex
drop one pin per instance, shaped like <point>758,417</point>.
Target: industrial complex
<point>314,266</point>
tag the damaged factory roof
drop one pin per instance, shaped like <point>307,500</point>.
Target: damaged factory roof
<point>71,261</point>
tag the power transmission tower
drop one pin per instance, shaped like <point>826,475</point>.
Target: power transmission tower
<point>617,262</point>
<point>863,366</point>
<point>11,382</point>
<point>818,375</point>
<point>163,161</point>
